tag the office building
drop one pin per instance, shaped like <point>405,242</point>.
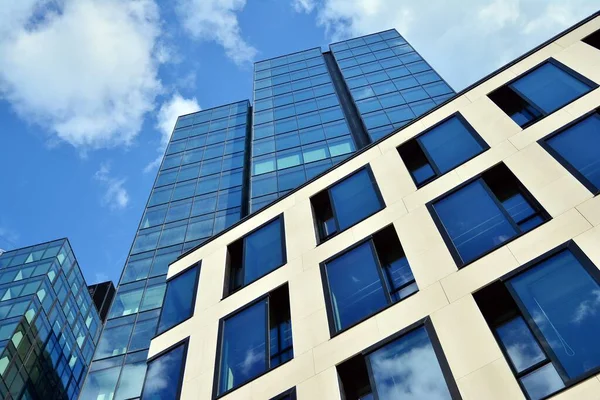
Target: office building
<point>225,162</point>
<point>49,326</point>
<point>102,295</point>
<point>458,258</point>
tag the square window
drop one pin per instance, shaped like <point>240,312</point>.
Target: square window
<point>180,298</point>
<point>166,367</point>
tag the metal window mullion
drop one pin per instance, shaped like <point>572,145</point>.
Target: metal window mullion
<point>527,99</point>
<point>500,206</point>
<point>383,281</point>
<point>428,157</point>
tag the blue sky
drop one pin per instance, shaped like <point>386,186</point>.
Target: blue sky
<point>90,89</point>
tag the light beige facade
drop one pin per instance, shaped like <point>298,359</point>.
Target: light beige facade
<point>445,292</point>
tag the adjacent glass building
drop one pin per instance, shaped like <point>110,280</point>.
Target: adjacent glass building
<point>49,326</point>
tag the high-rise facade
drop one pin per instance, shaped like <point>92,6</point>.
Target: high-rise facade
<point>223,163</point>
<point>49,326</point>
<point>458,258</point>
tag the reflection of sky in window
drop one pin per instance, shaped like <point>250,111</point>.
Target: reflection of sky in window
<point>520,344</point>
<point>408,369</point>
<point>542,382</point>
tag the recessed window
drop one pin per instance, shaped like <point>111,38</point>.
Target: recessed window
<point>440,149</point>
<point>287,395</point>
<point>546,319</point>
<point>180,297</point>
<point>346,203</point>
<point>540,92</point>
<point>593,39</point>
<point>256,254</point>
<point>484,213</point>
<point>165,374</point>
<point>254,340</point>
<point>365,279</point>
<point>577,147</point>
<point>410,365</point>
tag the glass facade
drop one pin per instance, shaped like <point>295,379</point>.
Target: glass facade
<point>197,193</point>
<point>49,326</point>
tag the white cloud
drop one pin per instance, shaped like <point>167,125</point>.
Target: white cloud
<point>464,41</point>
<point>85,70</point>
<point>115,195</point>
<point>216,20</point>
<point>165,122</point>
<point>303,5</point>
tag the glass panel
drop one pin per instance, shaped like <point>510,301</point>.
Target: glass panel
<point>355,287</point>
<point>520,344</point>
<point>579,145</point>
<point>549,87</point>
<point>542,382</point>
<point>564,302</point>
<point>163,380</point>
<point>132,380</point>
<point>355,198</point>
<point>263,251</point>
<point>126,302</point>
<point>115,338</point>
<point>473,221</point>
<point>143,332</point>
<point>153,297</point>
<point>178,304</point>
<point>243,352</point>
<point>408,369</point>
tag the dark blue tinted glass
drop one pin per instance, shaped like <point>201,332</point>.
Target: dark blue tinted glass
<point>521,211</point>
<point>422,173</point>
<point>164,376</point>
<point>399,275</point>
<point>355,198</point>
<point>520,344</point>
<point>579,145</point>
<point>263,251</point>
<point>355,286</point>
<point>408,369</point>
<point>549,87</point>
<point>450,144</point>
<point>473,221</point>
<point>563,301</point>
<point>177,305</point>
<point>243,352</point>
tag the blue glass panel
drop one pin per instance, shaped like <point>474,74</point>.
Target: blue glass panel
<point>564,302</point>
<point>179,295</point>
<point>263,251</point>
<point>450,144</point>
<point>542,382</point>
<point>520,344</point>
<point>579,145</point>
<point>549,87</point>
<point>354,199</point>
<point>101,384</point>
<point>355,287</point>
<point>473,221</point>
<point>243,351</point>
<point>408,368</point>
<point>165,375</point>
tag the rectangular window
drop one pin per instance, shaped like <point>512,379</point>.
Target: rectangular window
<point>256,254</point>
<point>165,374</point>
<point>180,298</point>
<point>408,365</point>
<point>346,203</point>
<point>441,149</point>
<point>484,213</point>
<point>366,279</point>
<point>577,148</point>
<point>254,340</point>
<point>545,318</point>
<point>540,92</point>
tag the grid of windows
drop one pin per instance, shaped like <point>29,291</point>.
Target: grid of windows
<point>49,326</point>
<point>299,127</point>
<point>390,83</point>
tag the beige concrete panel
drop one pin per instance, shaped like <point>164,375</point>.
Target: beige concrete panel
<point>465,337</point>
<point>300,235</point>
<point>241,393</point>
<point>347,168</point>
<point>541,129</point>
<point>493,83</point>
<point>478,274</point>
<point>417,231</point>
<point>584,104</point>
<point>306,293</point>
<point>447,110</point>
<point>199,388</point>
<point>432,190</point>
<point>283,377</point>
<point>583,58</point>
<point>430,266</point>
<point>548,236</point>
<point>495,381</point>
<point>411,310</point>
<point>212,279</point>
<point>562,195</point>
<point>579,33</point>
<point>327,249</point>
<point>401,136</point>
<point>591,210</point>
<point>310,331</point>
<point>172,336</point>
<point>536,58</point>
<point>392,177</point>
<point>588,389</point>
<point>321,386</point>
<point>490,122</point>
<point>379,220</point>
<point>346,344</point>
<point>589,242</point>
<point>485,160</point>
